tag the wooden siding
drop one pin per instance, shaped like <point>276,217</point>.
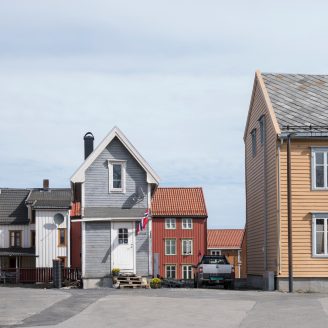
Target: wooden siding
<point>256,189</point>
<point>198,234</point>
<point>142,252</point>
<point>76,250</point>
<point>26,234</point>
<point>97,249</point>
<point>97,180</point>
<point>46,238</point>
<point>304,201</point>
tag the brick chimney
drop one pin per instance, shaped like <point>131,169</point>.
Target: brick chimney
<point>45,184</point>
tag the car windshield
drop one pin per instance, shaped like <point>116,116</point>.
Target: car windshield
<point>214,260</point>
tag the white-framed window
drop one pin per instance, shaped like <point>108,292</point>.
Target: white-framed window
<point>187,271</point>
<point>186,223</point>
<point>253,134</point>
<point>320,235</point>
<point>186,246</point>
<point>215,252</point>
<point>170,223</point>
<point>170,271</point>
<point>117,172</point>
<point>319,168</point>
<point>170,246</point>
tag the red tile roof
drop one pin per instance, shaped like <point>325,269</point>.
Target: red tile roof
<point>179,202</point>
<point>225,238</point>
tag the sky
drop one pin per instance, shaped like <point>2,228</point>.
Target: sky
<point>175,76</point>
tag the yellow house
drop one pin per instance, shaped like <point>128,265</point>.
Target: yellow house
<point>287,106</point>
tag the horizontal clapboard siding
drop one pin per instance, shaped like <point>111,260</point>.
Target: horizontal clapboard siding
<point>97,249</point>
<point>255,189</point>
<point>97,180</point>
<point>142,252</point>
<point>304,201</point>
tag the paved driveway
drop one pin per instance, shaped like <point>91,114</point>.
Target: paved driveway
<point>161,308</point>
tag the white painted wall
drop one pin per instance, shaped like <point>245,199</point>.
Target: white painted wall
<point>26,234</point>
<point>46,247</point>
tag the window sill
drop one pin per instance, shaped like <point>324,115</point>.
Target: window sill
<point>324,256</point>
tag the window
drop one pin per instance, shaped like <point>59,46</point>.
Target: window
<point>62,237</point>
<point>262,129</point>
<point>15,238</point>
<point>215,252</point>
<point>253,133</point>
<point>116,176</point>
<point>170,271</point>
<point>32,238</point>
<point>170,223</point>
<point>187,272</point>
<point>319,168</point>
<point>123,236</point>
<point>170,247</point>
<point>320,236</point>
<point>186,247</point>
<point>63,260</point>
<point>186,223</point>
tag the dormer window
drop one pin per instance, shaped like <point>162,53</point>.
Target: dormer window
<point>116,175</point>
<point>253,134</point>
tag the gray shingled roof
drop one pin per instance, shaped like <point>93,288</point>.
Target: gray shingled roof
<point>17,251</point>
<point>51,198</point>
<point>298,99</point>
<point>113,212</point>
<point>12,206</point>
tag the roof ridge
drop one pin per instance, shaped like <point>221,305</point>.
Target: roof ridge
<point>180,188</point>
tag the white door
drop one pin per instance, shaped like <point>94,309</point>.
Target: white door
<point>123,246</point>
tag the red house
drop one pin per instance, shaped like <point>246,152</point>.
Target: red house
<point>179,228</point>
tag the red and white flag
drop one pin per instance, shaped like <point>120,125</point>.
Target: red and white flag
<point>141,225</point>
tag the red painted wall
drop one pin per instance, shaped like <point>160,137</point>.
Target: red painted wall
<point>198,234</point>
<point>76,237</point>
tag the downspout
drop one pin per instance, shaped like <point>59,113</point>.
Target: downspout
<point>289,202</point>
<point>278,209</point>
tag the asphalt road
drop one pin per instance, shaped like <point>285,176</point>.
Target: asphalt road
<point>21,307</point>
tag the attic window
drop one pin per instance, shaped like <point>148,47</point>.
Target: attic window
<point>262,129</point>
<point>116,175</point>
<point>253,134</point>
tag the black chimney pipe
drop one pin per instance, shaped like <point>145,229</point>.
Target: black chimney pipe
<point>88,144</point>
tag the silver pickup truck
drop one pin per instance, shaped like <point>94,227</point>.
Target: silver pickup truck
<point>214,270</point>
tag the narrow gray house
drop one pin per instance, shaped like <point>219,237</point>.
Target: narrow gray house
<point>114,186</point>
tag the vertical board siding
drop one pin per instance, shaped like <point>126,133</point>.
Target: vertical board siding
<point>97,249</point>
<point>304,201</point>
<point>97,180</point>
<point>197,234</point>
<point>46,238</point>
<point>255,193</point>
<point>26,234</point>
<point>76,238</point>
<point>142,252</point>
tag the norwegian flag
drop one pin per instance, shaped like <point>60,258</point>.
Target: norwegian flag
<point>141,225</point>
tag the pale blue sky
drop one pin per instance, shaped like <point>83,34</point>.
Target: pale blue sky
<point>175,76</point>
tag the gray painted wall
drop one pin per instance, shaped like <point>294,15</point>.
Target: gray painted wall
<point>97,180</point>
<point>142,252</point>
<point>97,249</point>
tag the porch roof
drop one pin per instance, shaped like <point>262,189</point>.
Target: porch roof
<point>18,252</point>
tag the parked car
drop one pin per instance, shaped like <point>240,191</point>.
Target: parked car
<point>214,270</point>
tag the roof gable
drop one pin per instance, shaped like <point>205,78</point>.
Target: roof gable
<point>259,83</point>
<point>179,202</point>
<point>298,99</point>
<point>79,175</point>
<point>225,238</point>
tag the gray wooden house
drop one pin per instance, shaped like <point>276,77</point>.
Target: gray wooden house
<point>114,186</point>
